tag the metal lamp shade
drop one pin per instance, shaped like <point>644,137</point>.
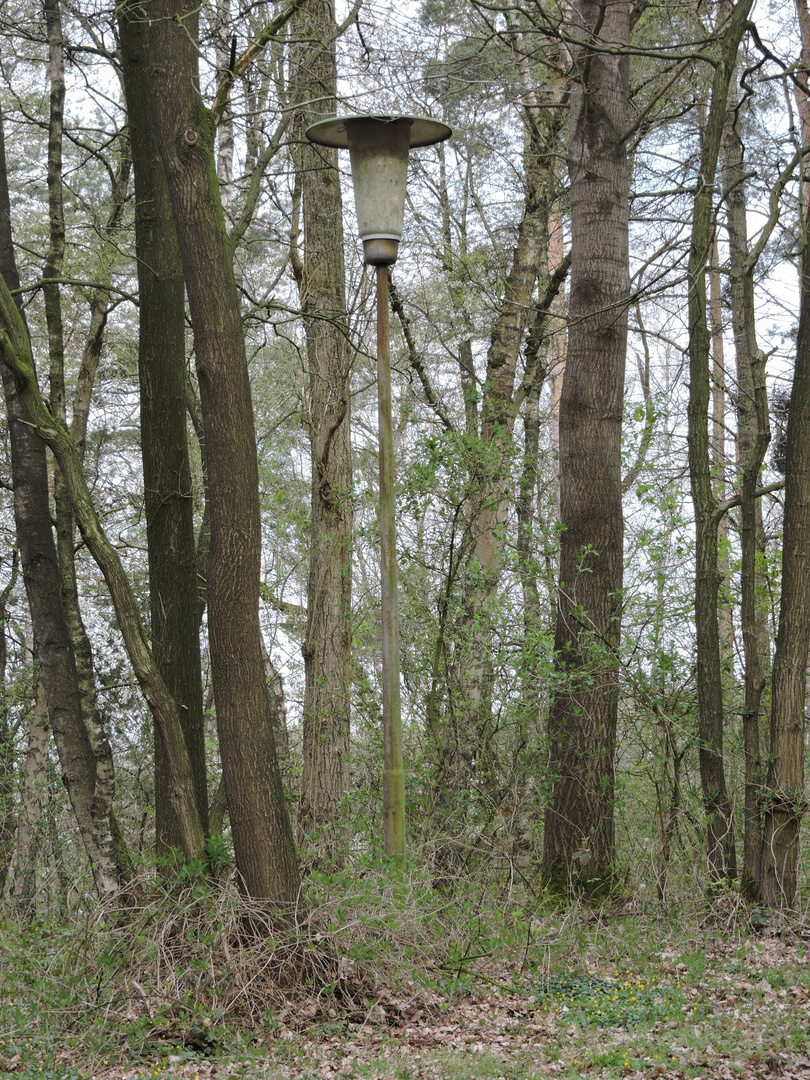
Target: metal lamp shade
<point>379,148</point>
<point>379,153</point>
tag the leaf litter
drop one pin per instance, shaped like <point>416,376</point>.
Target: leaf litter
<point>720,1008</point>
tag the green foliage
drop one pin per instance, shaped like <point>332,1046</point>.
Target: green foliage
<point>627,1000</point>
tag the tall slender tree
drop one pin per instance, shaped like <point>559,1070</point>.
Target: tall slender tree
<point>784,802</point>
<point>721,850</point>
<point>8,816</point>
<point>753,436</point>
<point>43,583</point>
<point>320,273</point>
<point>579,822</point>
<point>172,552</point>
<point>185,129</point>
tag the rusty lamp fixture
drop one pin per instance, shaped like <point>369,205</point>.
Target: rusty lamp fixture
<point>379,147</point>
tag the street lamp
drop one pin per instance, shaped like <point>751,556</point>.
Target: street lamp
<point>379,148</point>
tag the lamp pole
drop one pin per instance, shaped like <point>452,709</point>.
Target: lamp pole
<point>393,766</point>
<point>379,148</point>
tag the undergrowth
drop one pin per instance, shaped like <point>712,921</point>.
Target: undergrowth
<point>189,969</point>
<point>190,965</point>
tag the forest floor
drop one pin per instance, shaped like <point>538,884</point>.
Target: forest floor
<point>604,997</point>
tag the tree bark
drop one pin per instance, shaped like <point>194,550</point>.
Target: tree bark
<point>320,273</point>
<point>171,542</point>
<point>801,93</point>
<point>103,766</point>
<point>31,832</point>
<point>468,740</point>
<point>721,851</point>
<point>263,842</point>
<point>753,436</point>
<point>473,661</point>
<point>53,643</point>
<point>718,448</point>
<point>784,802</point>
<point>36,421</point>
<point>8,764</point>
<point>579,824</point>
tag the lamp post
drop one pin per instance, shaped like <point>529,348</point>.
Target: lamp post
<point>379,148</point>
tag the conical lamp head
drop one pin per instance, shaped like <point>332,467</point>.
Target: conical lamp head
<point>379,152</point>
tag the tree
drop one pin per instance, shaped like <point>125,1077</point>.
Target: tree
<point>87,786</point>
<point>104,786</point>
<point>172,550</point>
<point>184,128</point>
<point>16,353</point>
<point>752,441</point>
<point>579,822</point>
<point>783,800</point>
<point>496,304</point>
<point>8,817</point>
<point>708,510</point>
<point>320,275</point>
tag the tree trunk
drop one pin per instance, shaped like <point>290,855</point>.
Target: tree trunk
<point>753,436</point>
<point>8,763</point>
<point>722,861</point>
<point>536,359</point>
<point>469,741</point>
<point>321,282</point>
<point>801,95</point>
<point>263,842</point>
<point>171,542</point>
<point>784,799</point>
<point>526,562</point>
<point>43,586</point>
<point>718,449</point>
<point>53,643</point>
<point>104,779</point>
<point>473,665</point>
<point>579,829</point>
<point>30,832</point>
